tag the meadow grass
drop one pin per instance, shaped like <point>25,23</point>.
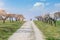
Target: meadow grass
<point>7,29</point>
<point>50,32</point>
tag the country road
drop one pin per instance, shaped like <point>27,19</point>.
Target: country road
<point>28,31</point>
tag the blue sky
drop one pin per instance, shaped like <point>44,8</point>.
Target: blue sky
<point>30,8</point>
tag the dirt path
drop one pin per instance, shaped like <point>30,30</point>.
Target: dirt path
<point>28,31</point>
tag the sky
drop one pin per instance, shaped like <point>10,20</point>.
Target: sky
<point>30,8</point>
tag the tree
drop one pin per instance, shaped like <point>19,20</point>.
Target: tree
<point>20,17</point>
<point>57,15</point>
<point>3,15</point>
<point>11,16</point>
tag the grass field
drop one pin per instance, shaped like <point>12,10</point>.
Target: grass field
<point>50,32</point>
<point>7,29</point>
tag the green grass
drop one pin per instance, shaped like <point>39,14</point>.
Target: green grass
<point>50,32</point>
<point>7,29</point>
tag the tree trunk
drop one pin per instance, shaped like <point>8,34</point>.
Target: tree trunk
<point>10,20</point>
<point>3,20</point>
<point>55,22</point>
<point>16,19</point>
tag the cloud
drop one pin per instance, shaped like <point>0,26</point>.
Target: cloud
<point>57,5</point>
<point>38,4</point>
<point>2,3</point>
<point>38,8</point>
<point>47,4</point>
